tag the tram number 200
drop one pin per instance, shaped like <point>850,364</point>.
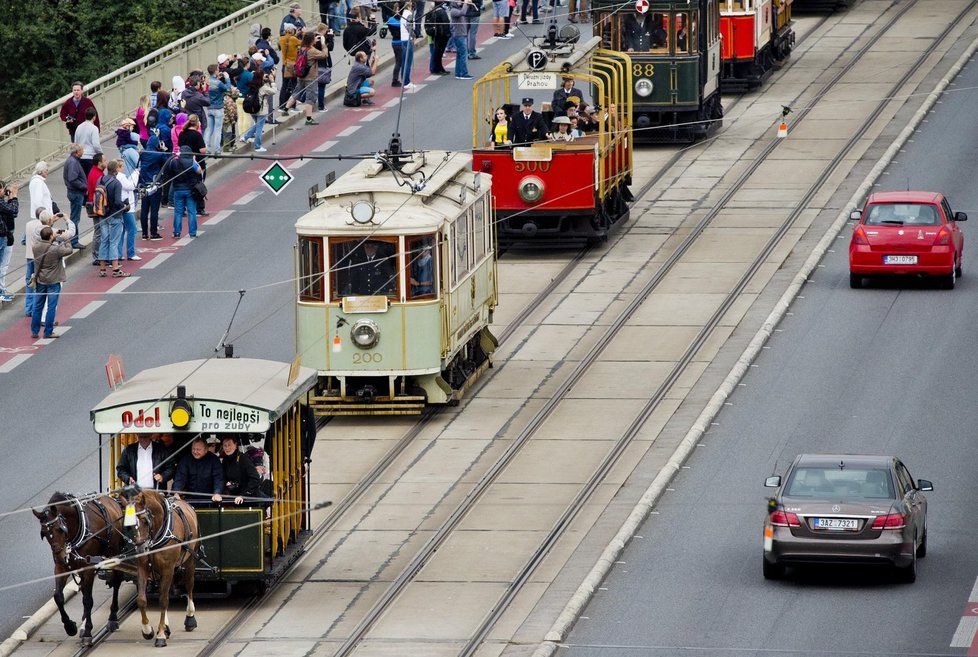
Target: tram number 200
<point>648,70</point>
<point>542,167</point>
<point>361,359</point>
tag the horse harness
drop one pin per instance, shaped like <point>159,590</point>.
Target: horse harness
<point>165,534</point>
<point>84,533</point>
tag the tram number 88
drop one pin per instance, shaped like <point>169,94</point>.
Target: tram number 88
<point>533,167</point>
<point>648,70</point>
<point>360,359</point>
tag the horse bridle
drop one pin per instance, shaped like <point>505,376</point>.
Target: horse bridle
<point>83,536</point>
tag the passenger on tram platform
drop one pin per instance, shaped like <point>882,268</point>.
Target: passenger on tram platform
<point>260,460</point>
<point>214,445</point>
<point>561,130</point>
<point>502,130</point>
<point>240,476</point>
<point>562,97</point>
<point>423,269</point>
<point>199,475</point>
<point>146,463</point>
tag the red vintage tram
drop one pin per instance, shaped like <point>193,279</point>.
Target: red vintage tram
<point>757,38</point>
<point>557,192</point>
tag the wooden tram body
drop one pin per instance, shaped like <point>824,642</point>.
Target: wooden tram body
<point>253,399</point>
<point>392,335</point>
<point>757,37</point>
<point>674,48</point>
<point>558,193</point>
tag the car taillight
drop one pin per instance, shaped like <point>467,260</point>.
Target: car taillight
<point>943,237</point>
<point>784,519</point>
<point>859,236</point>
<point>890,521</point>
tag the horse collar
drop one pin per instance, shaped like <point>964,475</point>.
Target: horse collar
<point>166,530</point>
<point>81,537</point>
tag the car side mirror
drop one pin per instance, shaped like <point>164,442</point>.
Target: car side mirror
<point>924,485</point>
<point>856,215</point>
<point>772,482</point>
<point>960,216</point>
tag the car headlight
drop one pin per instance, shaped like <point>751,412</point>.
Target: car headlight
<point>531,190</point>
<point>644,87</point>
<point>365,334</point>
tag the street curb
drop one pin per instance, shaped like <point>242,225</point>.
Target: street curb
<point>580,598</point>
<point>38,618</point>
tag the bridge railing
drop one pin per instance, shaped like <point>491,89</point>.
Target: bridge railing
<point>41,135</point>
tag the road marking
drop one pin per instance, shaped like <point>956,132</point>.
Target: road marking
<point>299,164</point>
<point>974,592</point>
<point>349,131</point>
<point>88,310</point>
<point>370,117</point>
<point>247,198</point>
<point>220,216</point>
<point>157,261</point>
<point>325,146</point>
<point>122,285</point>
<point>61,331</point>
<point>417,87</point>
<point>187,239</point>
<point>966,634</point>
<point>13,362</point>
<point>391,103</point>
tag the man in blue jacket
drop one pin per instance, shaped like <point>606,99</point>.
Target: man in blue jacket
<point>151,161</point>
<point>199,474</point>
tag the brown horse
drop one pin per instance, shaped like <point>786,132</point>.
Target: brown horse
<point>166,538</point>
<point>80,534</point>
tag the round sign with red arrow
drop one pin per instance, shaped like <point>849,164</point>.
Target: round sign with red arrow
<point>642,6</point>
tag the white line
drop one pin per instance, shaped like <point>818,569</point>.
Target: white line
<point>325,146</point>
<point>61,331</point>
<point>417,87</point>
<point>974,592</point>
<point>88,310</point>
<point>187,239</point>
<point>14,362</point>
<point>349,131</point>
<point>391,103</point>
<point>299,164</point>
<point>219,217</point>
<point>965,633</point>
<point>371,116</point>
<point>121,285</point>
<point>157,261</point>
<point>247,198</point>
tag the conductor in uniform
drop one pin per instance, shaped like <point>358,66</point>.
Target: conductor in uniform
<point>528,125</point>
<point>562,95</point>
<point>372,271</point>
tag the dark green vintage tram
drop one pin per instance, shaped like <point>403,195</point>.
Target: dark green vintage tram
<point>265,404</point>
<point>674,47</point>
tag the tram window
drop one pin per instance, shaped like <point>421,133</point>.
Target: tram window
<point>479,229</point>
<point>646,33</point>
<point>311,284</point>
<point>364,267</point>
<point>602,28</point>
<point>685,34</point>
<point>460,248</point>
<point>422,260</point>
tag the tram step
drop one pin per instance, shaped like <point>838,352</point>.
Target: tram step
<point>413,405</point>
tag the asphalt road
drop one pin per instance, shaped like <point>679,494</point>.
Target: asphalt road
<point>46,438</point>
<point>886,370</point>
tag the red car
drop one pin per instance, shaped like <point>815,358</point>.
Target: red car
<point>906,233</point>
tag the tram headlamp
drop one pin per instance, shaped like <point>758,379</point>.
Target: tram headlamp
<point>181,412</point>
<point>365,334</point>
<point>531,190</point>
<point>644,87</point>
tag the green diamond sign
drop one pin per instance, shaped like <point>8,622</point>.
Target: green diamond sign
<point>276,177</point>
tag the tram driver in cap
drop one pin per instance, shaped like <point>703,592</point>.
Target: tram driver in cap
<point>528,124</point>
<point>372,270</point>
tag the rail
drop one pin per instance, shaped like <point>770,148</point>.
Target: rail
<point>42,136</point>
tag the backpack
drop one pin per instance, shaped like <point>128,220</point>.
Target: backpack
<point>352,100</point>
<point>100,200</point>
<point>251,103</point>
<point>430,27</point>
<point>302,65</point>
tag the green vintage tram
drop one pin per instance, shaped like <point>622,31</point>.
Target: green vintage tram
<point>263,403</point>
<point>396,284</point>
<point>674,48</point>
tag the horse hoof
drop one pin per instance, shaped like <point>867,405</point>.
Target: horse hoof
<point>71,628</point>
<point>112,626</point>
<point>167,631</point>
<point>86,641</point>
<point>160,643</point>
<point>148,635</point>
<point>190,623</point>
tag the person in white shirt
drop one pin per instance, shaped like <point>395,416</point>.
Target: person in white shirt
<point>129,184</point>
<point>145,463</point>
<point>40,194</point>
<point>87,136</point>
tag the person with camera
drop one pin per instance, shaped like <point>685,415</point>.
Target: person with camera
<point>218,85</point>
<point>359,86</point>
<point>356,36</point>
<point>183,173</point>
<point>288,46</point>
<point>437,27</point>
<point>50,246</point>
<point>459,15</point>
<point>9,206</point>
<point>312,54</point>
<point>74,109</point>
<point>151,161</point>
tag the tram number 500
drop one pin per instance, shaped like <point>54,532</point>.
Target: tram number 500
<point>648,70</point>
<point>362,359</point>
<point>533,167</point>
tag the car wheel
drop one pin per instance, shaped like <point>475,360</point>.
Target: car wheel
<point>855,281</point>
<point>922,548</point>
<point>947,282</point>
<point>908,573</point>
<point>773,570</point>
<point>957,270</point>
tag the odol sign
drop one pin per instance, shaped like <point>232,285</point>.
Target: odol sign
<point>208,416</point>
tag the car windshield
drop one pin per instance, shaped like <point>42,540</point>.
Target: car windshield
<point>902,214</point>
<point>833,483</point>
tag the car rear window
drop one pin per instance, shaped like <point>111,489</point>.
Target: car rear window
<point>835,483</point>
<point>902,214</point>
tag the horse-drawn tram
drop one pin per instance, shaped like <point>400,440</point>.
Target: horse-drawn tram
<point>246,408</point>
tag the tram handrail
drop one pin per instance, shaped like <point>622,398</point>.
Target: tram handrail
<point>41,135</point>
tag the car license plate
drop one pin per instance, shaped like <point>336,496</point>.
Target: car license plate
<point>840,524</point>
<point>899,260</point>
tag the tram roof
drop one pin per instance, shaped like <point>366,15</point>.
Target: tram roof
<point>567,57</point>
<point>252,382</point>
<point>397,209</point>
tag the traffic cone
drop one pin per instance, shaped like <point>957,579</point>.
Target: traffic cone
<point>783,130</point>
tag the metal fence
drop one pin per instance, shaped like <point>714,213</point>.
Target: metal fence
<point>42,136</point>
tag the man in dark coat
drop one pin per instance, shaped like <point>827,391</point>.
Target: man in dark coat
<point>199,474</point>
<point>73,110</point>
<point>372,271</point>
<point>145,463</point>
<point>528,125</point>
<point>240,475</point>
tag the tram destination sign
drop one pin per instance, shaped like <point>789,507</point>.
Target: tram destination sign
<point>534,81</point>
<point>208,416</point>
